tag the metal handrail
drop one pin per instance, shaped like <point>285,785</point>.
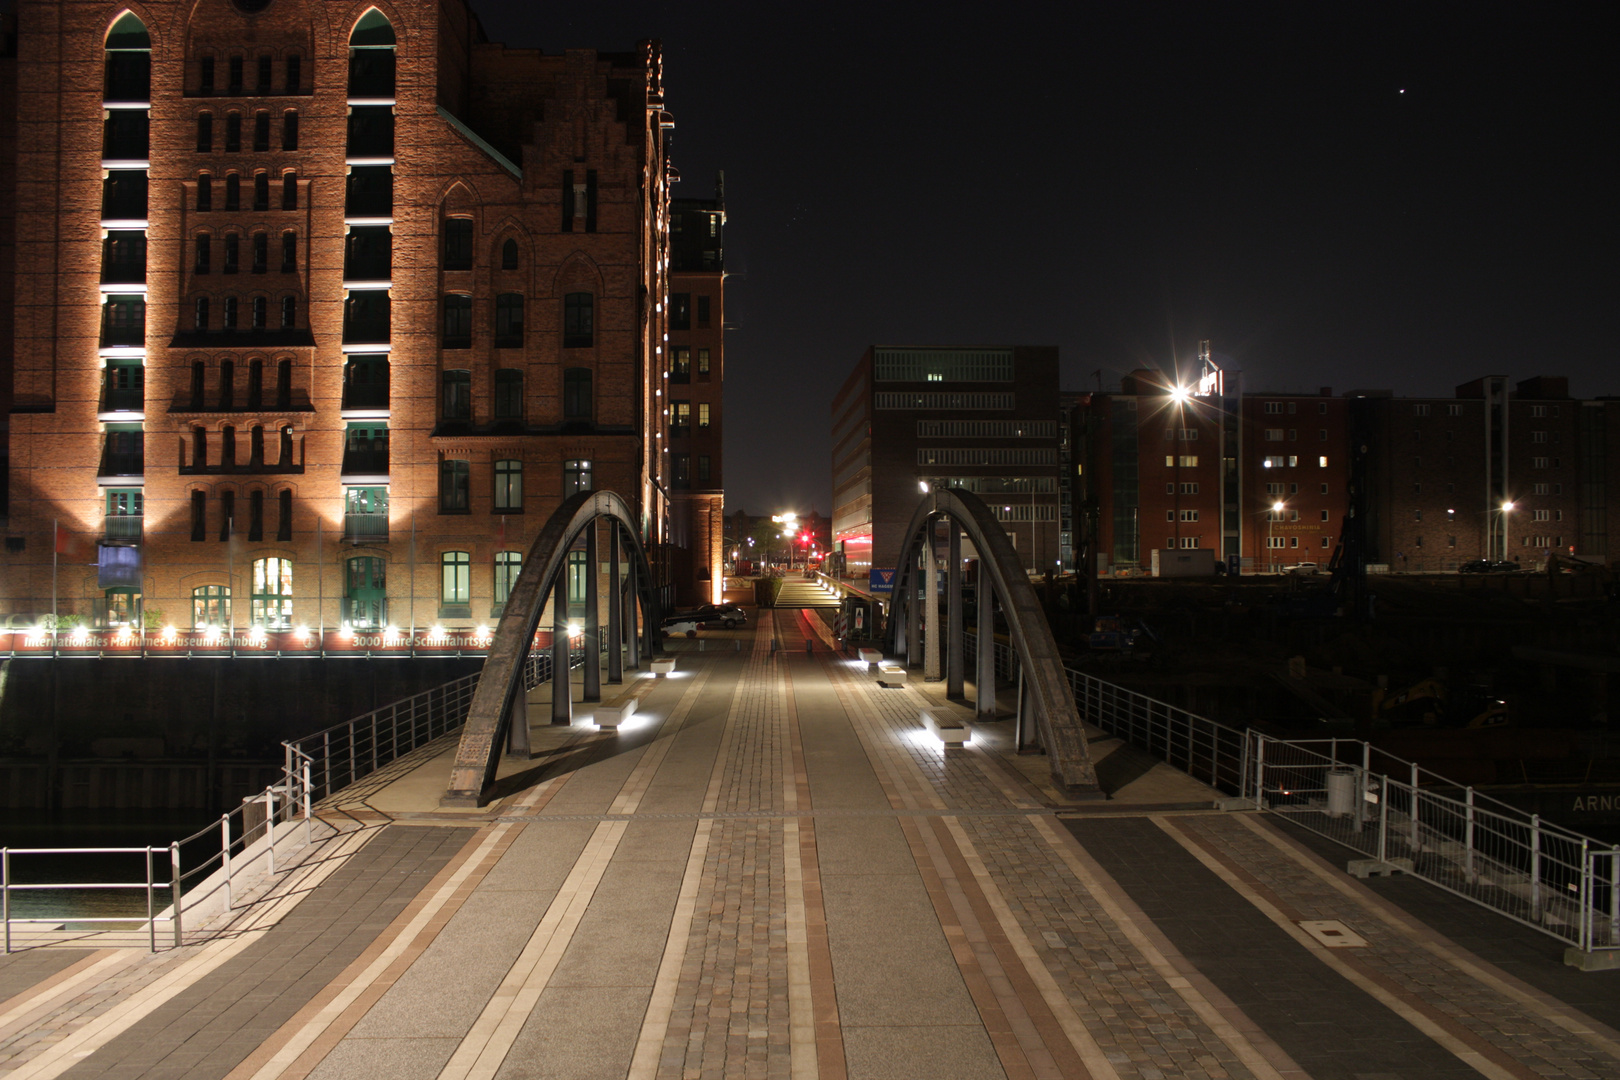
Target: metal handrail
<point>310,770</point>
<point>1480,848</point>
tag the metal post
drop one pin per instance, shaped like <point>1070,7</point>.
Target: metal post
<point>1614,896</point>
<point>953,609</point>
<point>592,641</point>
<point>930,606</point>
<point>1468,835</point>
<point>270,827</point>
<point>1243,766</point>
<point>562,693</point>
<point>615,608</point>
<point>5,893</point>
<point>1361,786</point>
<point>985,657</point>
<point>351,751</point>
<point>326,759</point>
<point>225,855</point>
<point>1417,839</point>
<point>632,594</point>
<point>309,835</point>
<point>1383,818</point>
<point>151,907</point>
<point>1259,772</point>
<point>914,644</point>
<point>174,883</point>
<point>1535,866</point>
<point>1586,895</point>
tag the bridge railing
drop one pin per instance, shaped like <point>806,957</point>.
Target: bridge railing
<point>201,873</point>
<point>1385,808</point>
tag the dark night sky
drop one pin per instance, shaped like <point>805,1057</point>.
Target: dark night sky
<point>1403,196</point>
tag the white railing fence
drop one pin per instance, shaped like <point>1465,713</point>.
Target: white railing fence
<point>1386,808</point>
<point>201,873</point>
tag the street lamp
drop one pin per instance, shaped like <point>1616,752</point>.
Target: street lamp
<point>1507,508</point>
<point>1275,515</point>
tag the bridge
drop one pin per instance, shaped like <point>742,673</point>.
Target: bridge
<point>771,867</point>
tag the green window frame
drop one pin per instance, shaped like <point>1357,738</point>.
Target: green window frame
<point>577,569</point>
<point>211,606</point>
<point>455,582</point>
<point>365,592</point>
<point>454,487</point>
<point>576,476</point>
<point>508,564</point>
<point>272,593</point>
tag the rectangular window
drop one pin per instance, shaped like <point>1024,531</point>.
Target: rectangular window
<point>680,418</point>
<point>455,587</point>
<point>576,477</point>
<point>508,564</point>
<point>703,364</point>
<point>578,321</point>
<point>289,131</point>
<point>1274,434</point>
<point>703,312</point>
<point>261,133</point>
<point>680,311</point>
<point>703,414</point>
<point>1538,436</point>
<point>458,321</point>
<point>1184,461</point>
<point>205,134</point>
<point>1453,410</point>
<point>289,252</point>
<point>1324,515</point>
<point>508,394</point>
<point>1274,407</point>
<point>509,320</point>
<point>1540,462</point>
<point>458,243</point>
<point>205,76</point>
<point>1189,515</point>
<point>681,468</point>
<point>454,487</point>
<point>456,396</point>
<point>295,73</point>
<point>680,364</point>
<point>1321,462</point>
<point>942,365</point>
<point>703,469</point>
<point>509,486</point>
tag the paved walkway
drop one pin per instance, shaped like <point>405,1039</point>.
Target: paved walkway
<point>772,874</point>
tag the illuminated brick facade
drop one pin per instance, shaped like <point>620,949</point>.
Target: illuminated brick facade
<point>326,305</point>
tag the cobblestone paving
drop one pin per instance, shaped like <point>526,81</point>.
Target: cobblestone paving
<point>1545,1047</point>
<point>731,1014</point>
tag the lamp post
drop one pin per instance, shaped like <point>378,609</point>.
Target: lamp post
<point>1178,395</point>
<point>1507,508</point>
<point>1275,515</point>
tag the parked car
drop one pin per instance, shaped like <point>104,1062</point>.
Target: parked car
<point>1486,566</point>
<point>1301,568</point>
<point>707,617</point>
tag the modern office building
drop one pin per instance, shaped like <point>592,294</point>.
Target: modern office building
<point>321,311</point>
<point>980,418</point>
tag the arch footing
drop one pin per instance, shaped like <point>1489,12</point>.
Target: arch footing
<point>497,700</point>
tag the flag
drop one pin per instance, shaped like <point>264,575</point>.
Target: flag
<point>71,545</point>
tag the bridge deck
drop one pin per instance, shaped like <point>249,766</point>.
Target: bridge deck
<point>769,873</point>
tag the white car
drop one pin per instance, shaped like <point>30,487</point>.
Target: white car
<point>1301,568</point>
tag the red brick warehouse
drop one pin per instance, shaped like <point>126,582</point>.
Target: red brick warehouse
<point>325,307</point>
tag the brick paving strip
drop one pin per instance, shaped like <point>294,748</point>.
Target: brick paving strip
<point>1503,1043</point>
<point>682,1033</point>
<point>819,1051</point>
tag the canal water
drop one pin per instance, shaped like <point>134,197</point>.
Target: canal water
<point>84,829</point>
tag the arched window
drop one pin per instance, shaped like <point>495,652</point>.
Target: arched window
<point>256,391</point>
<point>261,252</point>
<point>577,393</point>
<point>205,192</point>
<point>289,130</point>
<point>233,132</point>
<point>205,133</point>
<point>129,60</point>
<point>289,191</point>
<point>261,312</point>
<point>261,133</point>
<point>458,243</point>
<point>205,75</point>
<point>205,251</point>
<point>284,401</point>
<point>371,57</point>
<point>289,312</point>
<point>458,321</point>
<point>233,252</point>
<point>227,384</point>
<point>198,372</point>
<point>255,513</point>
<point>508,394</point>
<point>228,321</point>
<point>233,191</point>
<point>289,252</point>
<point>272,593</point>
<point>509,255</point>
<point>261,191</point>
<point>199,448</point>
<point>295,73</point>
<point>284,515</point>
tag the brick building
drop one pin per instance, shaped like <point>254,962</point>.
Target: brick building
<point>321,310</point>
<point>697,363</point>
<point>1438,474</point>
<point>984,419</point>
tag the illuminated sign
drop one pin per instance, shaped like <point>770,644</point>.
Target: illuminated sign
<point>1211,382</point>
<point>174,642</point>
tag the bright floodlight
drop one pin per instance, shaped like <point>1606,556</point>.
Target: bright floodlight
<point>1277,506</point>
<point>1180,394</point>
<point>922,486</point>
<point>1506,507</point>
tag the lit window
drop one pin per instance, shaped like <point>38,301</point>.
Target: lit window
<point>509,485</point>
<point>1321,462</point>
<point>455,571</point>
<point>272,593</point>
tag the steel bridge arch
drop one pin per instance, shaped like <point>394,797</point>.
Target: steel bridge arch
<point>500,684</point>
<point>1056,718</point>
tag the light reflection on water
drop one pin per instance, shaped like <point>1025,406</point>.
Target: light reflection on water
<point>93,829</point>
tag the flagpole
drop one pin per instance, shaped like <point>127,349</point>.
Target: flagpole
<point>56,544</point>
